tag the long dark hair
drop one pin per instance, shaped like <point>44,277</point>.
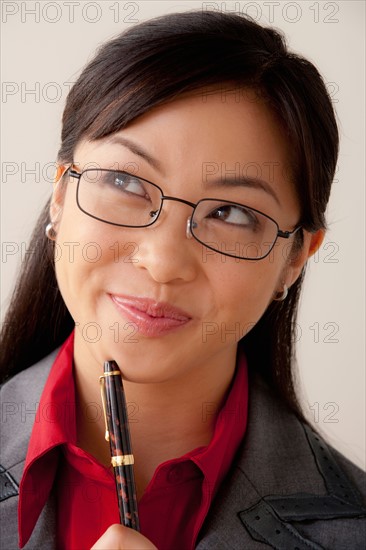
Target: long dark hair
<point>147,65</point>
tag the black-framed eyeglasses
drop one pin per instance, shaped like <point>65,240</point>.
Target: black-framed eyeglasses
<point>126,200</point>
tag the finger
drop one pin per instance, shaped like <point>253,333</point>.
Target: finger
<point>118,537</point>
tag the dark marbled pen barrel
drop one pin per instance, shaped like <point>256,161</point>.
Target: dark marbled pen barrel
<point>118,435</point>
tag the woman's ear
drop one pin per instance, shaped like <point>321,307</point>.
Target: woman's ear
<point>311,243</point>
<point>58,195</point>
<point>316,241</point>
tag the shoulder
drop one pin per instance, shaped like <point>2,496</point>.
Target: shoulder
<point>30,381</point>
<point>356,475</point>
<point>287,487</point>
<point>302,455</point>
<point>19,401</point>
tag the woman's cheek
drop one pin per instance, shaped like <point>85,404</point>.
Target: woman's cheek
<point>241,299</point>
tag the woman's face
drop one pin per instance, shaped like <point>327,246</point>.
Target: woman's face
<point>110,277</point>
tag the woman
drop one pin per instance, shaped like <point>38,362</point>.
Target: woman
<point>195,167</point>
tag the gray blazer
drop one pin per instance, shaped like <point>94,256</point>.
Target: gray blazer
<point>287,488</point>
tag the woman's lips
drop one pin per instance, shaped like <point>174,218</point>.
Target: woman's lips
<point>150,317</point>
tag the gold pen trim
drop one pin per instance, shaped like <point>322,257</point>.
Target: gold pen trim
<point>122,460</point>
<point>104,405</point>
<point>112,373</point>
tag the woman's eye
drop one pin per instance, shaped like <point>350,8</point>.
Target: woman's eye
<point>237,215</point>
<point>129,184</point>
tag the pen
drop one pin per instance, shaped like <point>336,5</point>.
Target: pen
<point>118,435</point>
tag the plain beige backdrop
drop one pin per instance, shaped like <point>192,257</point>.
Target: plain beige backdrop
<point>44,46</point>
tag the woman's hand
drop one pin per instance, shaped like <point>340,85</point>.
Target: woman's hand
<point>118,537</point>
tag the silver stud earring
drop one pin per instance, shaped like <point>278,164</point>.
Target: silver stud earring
<point>50,231</point>
<point>281,295</point>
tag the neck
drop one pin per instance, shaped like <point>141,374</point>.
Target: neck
<point>167,419</point>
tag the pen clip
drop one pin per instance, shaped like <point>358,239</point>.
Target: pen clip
<point>104,405</point>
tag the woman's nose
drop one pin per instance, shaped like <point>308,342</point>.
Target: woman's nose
<point>166,249</point>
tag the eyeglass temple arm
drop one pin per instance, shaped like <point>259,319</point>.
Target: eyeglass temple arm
<point>73,173</point>
<point>287,234</point>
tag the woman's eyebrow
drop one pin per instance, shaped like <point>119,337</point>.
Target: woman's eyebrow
<point>137,150</point>
<point>237,181</point>
<point>245,181</point>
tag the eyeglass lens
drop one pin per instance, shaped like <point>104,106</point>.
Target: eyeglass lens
<point>124,199</point>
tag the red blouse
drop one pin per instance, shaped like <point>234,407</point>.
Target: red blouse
<point>174,504</point>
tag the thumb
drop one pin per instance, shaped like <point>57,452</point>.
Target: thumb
<point>119,537</point>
